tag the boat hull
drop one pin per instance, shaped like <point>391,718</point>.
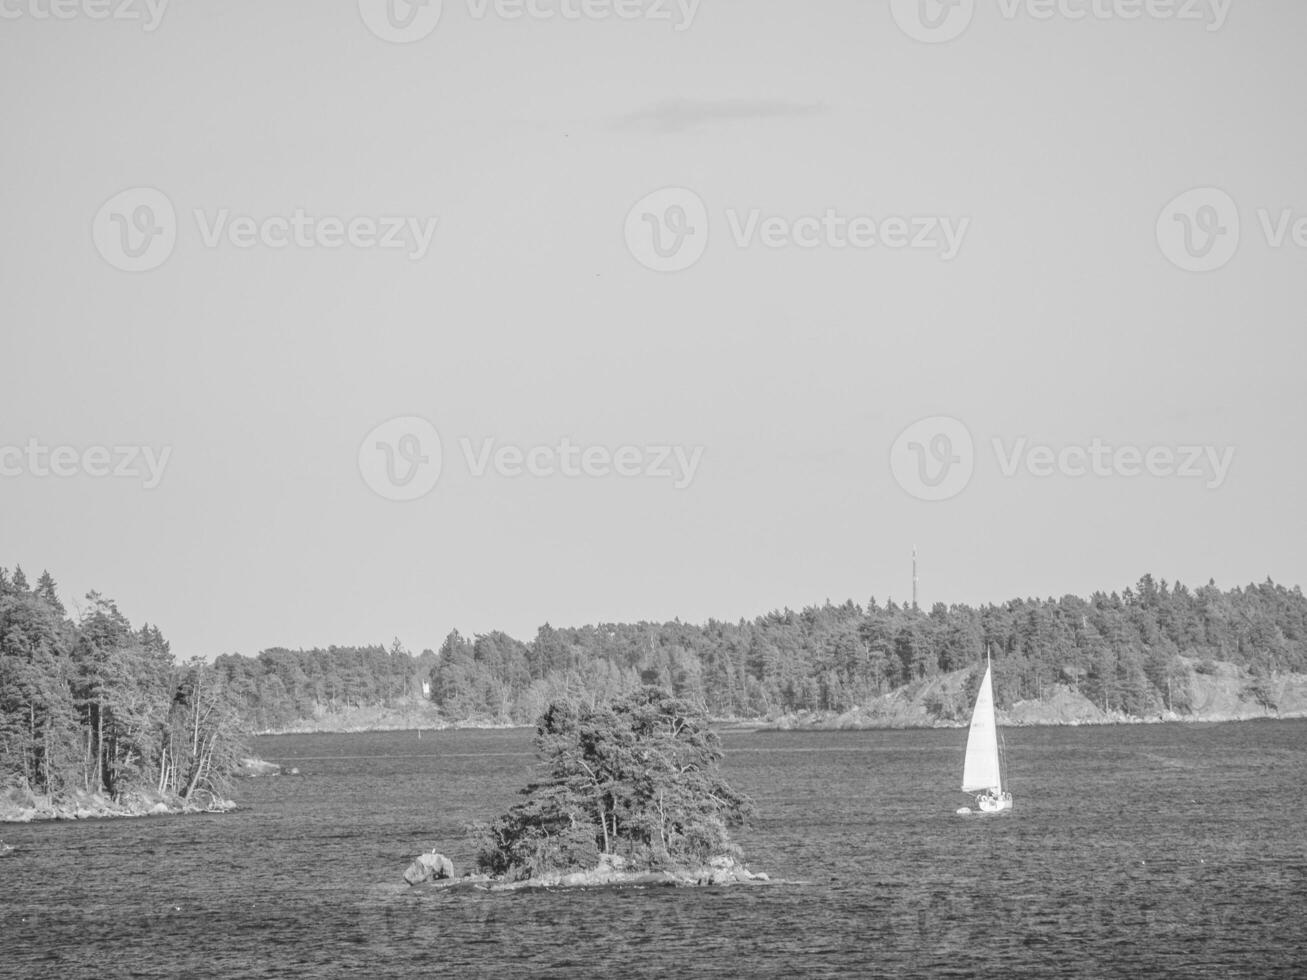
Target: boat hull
<point>991,804</point>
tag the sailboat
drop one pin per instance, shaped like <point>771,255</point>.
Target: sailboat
<point>982,773</point>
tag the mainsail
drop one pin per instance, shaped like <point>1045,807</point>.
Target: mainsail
<point>981,768</point>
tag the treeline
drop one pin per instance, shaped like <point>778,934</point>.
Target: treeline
<point>97,705</point>
<point>1123,651</point>
<point>280,687</point>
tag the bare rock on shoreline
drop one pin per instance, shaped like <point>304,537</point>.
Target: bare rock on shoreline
<point>611,873</point>
<point>719,871</point>
<point>256,767</point>
<point>1218,692</point>
<point>429,867</point>
<point>22,806</point>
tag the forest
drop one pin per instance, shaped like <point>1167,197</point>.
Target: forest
<point>96,703</point>
<point>97,706</point>
<point>1121,650</point>
<point>279,687</point>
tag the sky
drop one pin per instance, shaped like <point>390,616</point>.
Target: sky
<point>333,322</point>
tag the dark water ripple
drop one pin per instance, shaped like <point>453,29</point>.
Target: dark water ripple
<point>1176,851</point>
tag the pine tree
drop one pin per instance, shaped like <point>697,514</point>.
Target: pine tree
<point>46,589</point>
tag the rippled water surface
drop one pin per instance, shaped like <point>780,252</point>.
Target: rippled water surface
<point>1176,850</point>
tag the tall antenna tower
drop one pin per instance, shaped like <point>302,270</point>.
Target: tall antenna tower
<point>914,578</point>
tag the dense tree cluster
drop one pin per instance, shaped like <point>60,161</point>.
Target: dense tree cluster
<point>280,686</point>
<point>1120,650</point>
<point>81,702</point>
<point>96,705</point>
<point>637,778</point>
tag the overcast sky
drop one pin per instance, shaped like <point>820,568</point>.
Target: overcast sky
<point>218,263</point>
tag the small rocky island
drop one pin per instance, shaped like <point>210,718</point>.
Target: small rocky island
<point>630,794</point>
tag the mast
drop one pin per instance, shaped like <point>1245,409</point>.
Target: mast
<point>914,578</point>
<point>998,747</point>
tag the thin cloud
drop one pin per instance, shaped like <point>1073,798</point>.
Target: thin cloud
<point>680,115</point>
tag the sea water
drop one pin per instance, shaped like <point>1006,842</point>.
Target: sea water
<point>1164,850</point>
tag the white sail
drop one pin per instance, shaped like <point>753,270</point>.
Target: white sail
<point>981,769</point>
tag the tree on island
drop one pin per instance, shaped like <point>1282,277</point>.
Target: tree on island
<point>637,778</point>
<point>97,706</point>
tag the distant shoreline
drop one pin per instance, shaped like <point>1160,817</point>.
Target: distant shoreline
<point>837,723</point>
<point>1220,693</point>
<point>832,721</point>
